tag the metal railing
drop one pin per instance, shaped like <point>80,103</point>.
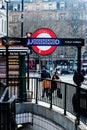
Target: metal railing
<point>62,96</point>
<point>7,111</point>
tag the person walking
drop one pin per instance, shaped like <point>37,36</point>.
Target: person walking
<point>55,76</point>
<point>54,83</point>
<point>46,83</point>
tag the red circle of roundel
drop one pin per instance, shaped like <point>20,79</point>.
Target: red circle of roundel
<point>48,32</point>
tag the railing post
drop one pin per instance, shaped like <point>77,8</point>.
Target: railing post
<point>36,90</point>
<point>51,96</point>
<point>65,100</point>
<point>78,105</point>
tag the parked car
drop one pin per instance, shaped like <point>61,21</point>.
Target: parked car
<point>64,71</point>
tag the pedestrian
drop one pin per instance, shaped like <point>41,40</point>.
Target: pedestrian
<point>78,78</point>
<point>54,83</point>
<point>45,74</point>
<point>55,75</point>
<point>46,83</point>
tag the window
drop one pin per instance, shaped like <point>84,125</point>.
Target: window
<point>5,26</point>
<point>2,25</point>
<point>14,18</point>
<point>61,16</point>
<point>62,5</point>
<point>50,6</point>
<point>37,6</point>
<point>45,0</point>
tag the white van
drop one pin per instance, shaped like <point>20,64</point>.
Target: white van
<point>84,66</point>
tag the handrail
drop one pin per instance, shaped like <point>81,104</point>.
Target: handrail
<point>7,111</point>
<point>4,96</point>
<point>2,87</point>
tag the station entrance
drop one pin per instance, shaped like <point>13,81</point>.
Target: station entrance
<point>16,57</point>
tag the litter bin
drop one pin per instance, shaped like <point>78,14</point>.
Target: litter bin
<point>29,95</point>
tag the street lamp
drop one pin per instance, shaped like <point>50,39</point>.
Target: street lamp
<point>22,17</point>
<point>7,66</point>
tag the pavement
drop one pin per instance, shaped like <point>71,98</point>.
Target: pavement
<point>69,79</point>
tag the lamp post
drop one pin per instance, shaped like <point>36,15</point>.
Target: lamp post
<point>7,67</point>
<point>22,17</point>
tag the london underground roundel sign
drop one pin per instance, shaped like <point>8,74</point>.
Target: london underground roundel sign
<point>43,33</point>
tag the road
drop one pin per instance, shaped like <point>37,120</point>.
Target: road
<point>68,78</point>
<point>64,78</point>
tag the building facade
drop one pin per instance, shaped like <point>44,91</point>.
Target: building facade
<point>66,18</point>
<point>3,22</point>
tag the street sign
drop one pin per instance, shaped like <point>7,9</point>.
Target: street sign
<point>46,48</point>
<point>43,42</point>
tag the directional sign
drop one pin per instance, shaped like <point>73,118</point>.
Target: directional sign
<point>46,48</point>
<point>72,42</point>
<point>12,41</point>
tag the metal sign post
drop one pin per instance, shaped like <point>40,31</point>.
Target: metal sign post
<point>78,86</point>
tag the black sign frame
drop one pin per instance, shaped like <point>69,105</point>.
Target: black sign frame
<point>12,41</point>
